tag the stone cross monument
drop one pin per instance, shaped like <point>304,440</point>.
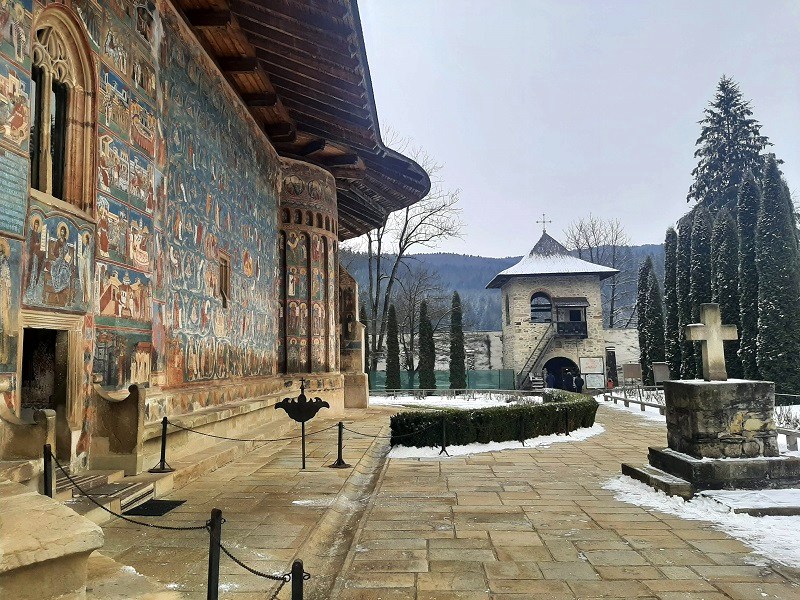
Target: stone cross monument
<point>711,332</point>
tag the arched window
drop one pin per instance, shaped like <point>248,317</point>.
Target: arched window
<point>508,311</point>
<point>541,308</point>
<point>62,97</point>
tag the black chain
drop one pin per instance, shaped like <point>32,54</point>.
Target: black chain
<point>286,577</point>
<point>123,517</point>
<point>230,439</point>
<point>389,437</point>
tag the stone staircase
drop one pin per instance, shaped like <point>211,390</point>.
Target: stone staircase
<point>110,488</point>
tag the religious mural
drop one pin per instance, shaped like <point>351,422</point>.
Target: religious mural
<point>10,267</point>
<point>123,235</point>
<point>59,259</point>
<point>15,30</point>
<point>333,297</point>
<point>124,296</point>
<point>15,114</point>
<point>213,210</point>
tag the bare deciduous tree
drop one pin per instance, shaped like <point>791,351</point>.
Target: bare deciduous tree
<point>604,242</point>
<point>414,286</point>
<point>425,224</point>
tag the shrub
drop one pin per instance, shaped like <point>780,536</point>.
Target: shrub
<point>496,424</point>
<point>555,395</point>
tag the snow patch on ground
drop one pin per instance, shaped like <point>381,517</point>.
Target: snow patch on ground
<point>772,537</point>
<point>543,441</point>
<point>467,401</point>
<point>649,413</point>
<point>228,587</point>
<point>174,586</point>
<point>130,570</point>
<point>316,502</point>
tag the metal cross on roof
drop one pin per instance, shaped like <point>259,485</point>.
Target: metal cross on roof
<point>711,332</point>
<point>544,223</point>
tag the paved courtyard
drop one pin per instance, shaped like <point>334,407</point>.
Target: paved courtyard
<point>505,525</point>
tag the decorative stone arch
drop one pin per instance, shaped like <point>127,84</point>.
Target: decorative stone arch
<point>61,49</point>
<point>541,307</point>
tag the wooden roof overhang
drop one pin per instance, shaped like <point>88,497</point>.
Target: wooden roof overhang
<point>301,68</point>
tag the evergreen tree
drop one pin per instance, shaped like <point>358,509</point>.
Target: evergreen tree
<point>700,272</point>
<point>730,143</point>
<point>641,311</point>
<point>682,279</point>
<point>671,329</point>
<point>427,350</point>
<point>778,264</point>
<point>725,283</point>
<point>458,369</point>
<point>747,218</point>
<point>654,323</point>
<point>362,317</point>
<point>392,352</point>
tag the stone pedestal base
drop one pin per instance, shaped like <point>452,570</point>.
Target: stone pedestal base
<point>356,390</point>
<point>721,419</point>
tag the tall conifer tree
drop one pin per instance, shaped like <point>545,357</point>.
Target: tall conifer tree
<point>730,143</point>
<point>700,272</point>
<point>392,352</point>
<point>458,367</point>
<point>427,350</point>
<point>778,342</point>
<point>362,317</point>
<point>645,268</point>
<point>654,323</point>
<point>671,329</point>
<point>725,283</point>
<point>683,269</point>
<point>747,219</point>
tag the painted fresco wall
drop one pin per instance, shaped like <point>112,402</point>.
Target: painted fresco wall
<point>15,87</point>
<point>308,263</point>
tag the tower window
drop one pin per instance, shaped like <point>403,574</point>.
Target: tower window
<point>541,308</point>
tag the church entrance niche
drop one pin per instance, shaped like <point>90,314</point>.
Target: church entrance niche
<point>44,380</point>
<point>564,370</point>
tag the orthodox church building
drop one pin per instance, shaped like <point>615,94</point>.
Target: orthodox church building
<point>552,318</point>
<point>176,179</point>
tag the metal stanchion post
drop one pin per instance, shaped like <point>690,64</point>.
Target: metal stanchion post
<point>566,420</point>
<point>297,580</point>
<point>48,471</point>
<point>213,554</point>
<point>340,464</point>
<point>162,466</point>
<point>444,437</point>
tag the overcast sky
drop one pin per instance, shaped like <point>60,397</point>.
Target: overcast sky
<point>575,107</point>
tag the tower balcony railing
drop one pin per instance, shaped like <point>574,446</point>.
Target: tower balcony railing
<point>572,329</point>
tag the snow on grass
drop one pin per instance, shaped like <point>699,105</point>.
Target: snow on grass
<point>772,537</point>
<point>477,400</point>
<point>543,441</point>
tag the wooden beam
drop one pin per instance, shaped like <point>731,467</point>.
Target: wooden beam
<point>342,160</point>
<point>246,64</point>
<point>261,100</point>
<point>209,19</point>
<point>281,132</point>
<point>313,147</point>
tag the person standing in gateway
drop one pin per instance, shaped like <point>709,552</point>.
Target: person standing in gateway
<point>578,383</point>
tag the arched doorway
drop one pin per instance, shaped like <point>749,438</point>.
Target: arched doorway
<point>564,370</point>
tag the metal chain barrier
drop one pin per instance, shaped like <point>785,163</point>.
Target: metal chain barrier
<point>389,437</point>
<point>123,517</point>
<point>285,577</point>
<point>230,439</point>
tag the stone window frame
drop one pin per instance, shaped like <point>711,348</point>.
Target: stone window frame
<point>508,310</point>
<point>225,279</point>
<point>60,48</point>
<point>541,310</point>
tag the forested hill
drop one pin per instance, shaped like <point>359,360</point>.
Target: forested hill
<point>469,275</point>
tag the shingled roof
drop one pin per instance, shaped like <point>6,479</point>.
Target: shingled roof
<point>549,257</point>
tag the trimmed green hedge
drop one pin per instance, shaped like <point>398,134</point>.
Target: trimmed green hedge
<point>553,395</point>
<point>496,424</point>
